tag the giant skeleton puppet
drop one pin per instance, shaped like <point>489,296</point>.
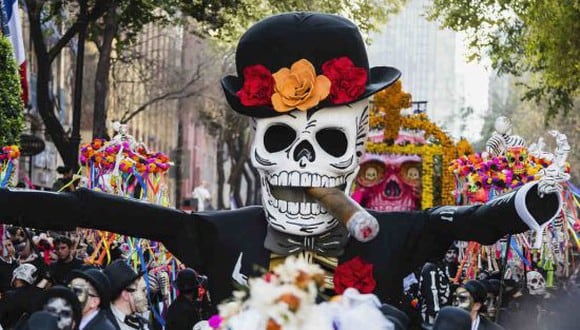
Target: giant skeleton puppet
<point>304,78</point>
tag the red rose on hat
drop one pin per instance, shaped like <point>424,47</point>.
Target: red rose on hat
<point>258,86</point>
<point>355,273</point>
<point>348,82</point>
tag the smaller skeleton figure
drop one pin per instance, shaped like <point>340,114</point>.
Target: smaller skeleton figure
<point>502,138</point>
<point>434,291</point>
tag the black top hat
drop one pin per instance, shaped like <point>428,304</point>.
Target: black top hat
<point>477,290</point>
<point>98,280</point>
<point>332,44</point>
<point>120,276</point>
<point>65,293</point>
<point>452,318</point>
<point>41,320</point>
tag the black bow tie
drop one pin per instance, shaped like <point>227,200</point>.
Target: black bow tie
<point>135,321</point>
<point>329,244</point>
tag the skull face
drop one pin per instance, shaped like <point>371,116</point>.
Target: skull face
<point>82,289</point>
<point>517,158</point>
<point>463,299</point>
<point>62,309</point>
<point>396,187</point>
<point>139,294</point>
<point>503,125</point>
<point>536,284</point>
<point>299,150</point>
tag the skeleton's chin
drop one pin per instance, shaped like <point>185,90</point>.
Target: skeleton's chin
<point>290,209</point>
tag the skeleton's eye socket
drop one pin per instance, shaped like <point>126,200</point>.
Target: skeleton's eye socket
<point>278,137</point>
<point>333,141</point>
<point>521,158</point>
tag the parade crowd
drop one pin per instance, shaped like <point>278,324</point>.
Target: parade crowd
<point>44,284</point>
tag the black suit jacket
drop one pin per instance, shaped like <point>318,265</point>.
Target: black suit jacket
<point>100,322</point>
<point>213,242</point>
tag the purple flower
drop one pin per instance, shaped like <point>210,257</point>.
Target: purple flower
<point>215,321</point>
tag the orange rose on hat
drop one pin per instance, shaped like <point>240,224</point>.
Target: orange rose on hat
<point>299,87</point>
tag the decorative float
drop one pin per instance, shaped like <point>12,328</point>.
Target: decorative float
<point>506,164</point>
<point>402,169</point>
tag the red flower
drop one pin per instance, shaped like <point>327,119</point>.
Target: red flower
<point>258,86</point>
<point>355,273</point>
<point>348,82</point>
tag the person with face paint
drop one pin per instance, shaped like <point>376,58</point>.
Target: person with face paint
<point>22,301</point>
<point>185,311</point>
<point>129,297</point>
<point>492,286</point>
<point>7,265</point>
<point>61,302</point>
<point>471,297</point>
<point>92,288</point>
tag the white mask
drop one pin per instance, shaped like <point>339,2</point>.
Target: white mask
<point>294,150</point>
<point>62,309</point>
<point>140,296</point>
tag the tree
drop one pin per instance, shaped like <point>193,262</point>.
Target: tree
<point>523,37</point>
<point>39,12</point>
<point>11,117</point>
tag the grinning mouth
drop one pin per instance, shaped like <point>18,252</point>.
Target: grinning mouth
<point>392,189</point>
<point>295,194</point>
<point>288,192</point>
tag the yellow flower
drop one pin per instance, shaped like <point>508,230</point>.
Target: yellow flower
<point>299,87</point>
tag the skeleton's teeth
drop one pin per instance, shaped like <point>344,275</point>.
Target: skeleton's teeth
<point>283,206</point>
<point>274,180</point>
<point>293,207</point>
<point>294,179</point>
<point>283,179</point>
<point>315,208</point>
<point>305,180</point>
<point>305,208</point>
<point>324,181</point>
<point>316,180</point>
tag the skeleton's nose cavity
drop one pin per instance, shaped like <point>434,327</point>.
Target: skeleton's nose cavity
<point>304,151</point>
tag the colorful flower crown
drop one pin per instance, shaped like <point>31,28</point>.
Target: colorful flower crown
<point>300,87</point>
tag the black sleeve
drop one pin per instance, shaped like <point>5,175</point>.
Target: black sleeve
<point>96,210</point>
<point>511,213</point>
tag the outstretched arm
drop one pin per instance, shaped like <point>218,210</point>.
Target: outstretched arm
<point>514,212</point>
<point>95,210</point>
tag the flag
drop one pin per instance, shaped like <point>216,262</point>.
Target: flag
<point>15,36</point>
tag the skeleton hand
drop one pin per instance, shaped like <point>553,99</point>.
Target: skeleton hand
<point>363,226</point>
<point>553,175</point>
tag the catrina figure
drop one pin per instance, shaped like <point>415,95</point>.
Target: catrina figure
<point>304,80</point>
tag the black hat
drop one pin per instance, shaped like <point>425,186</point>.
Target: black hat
<point>120,276</point>
<point>41,320</point>
<point>400,319</point>
<point>491,285</point>
<point>452,318</point>
<point>187,280</point>
<point>65,293</point>
<point>98,280</point>
<point>279,41</point>
<point>477,290</point>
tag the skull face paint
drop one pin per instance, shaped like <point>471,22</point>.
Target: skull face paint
<point>83,290</point>
<point>139,294</point>
<point>62,309</point>
<point>463,299</point>
<point>451,256</point>
<point>299,150</point>
<point>490,303</point>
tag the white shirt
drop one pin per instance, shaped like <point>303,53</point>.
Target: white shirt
<point>475,323</point>
<point>202,194</point>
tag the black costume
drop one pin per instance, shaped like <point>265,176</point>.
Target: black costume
<point>100,322</point>
<point>213,242</point>
<point>182,314</point>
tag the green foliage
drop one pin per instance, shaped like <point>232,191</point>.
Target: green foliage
<point>11,116</point>
<point>538,39</point>
<point>367,14</point>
